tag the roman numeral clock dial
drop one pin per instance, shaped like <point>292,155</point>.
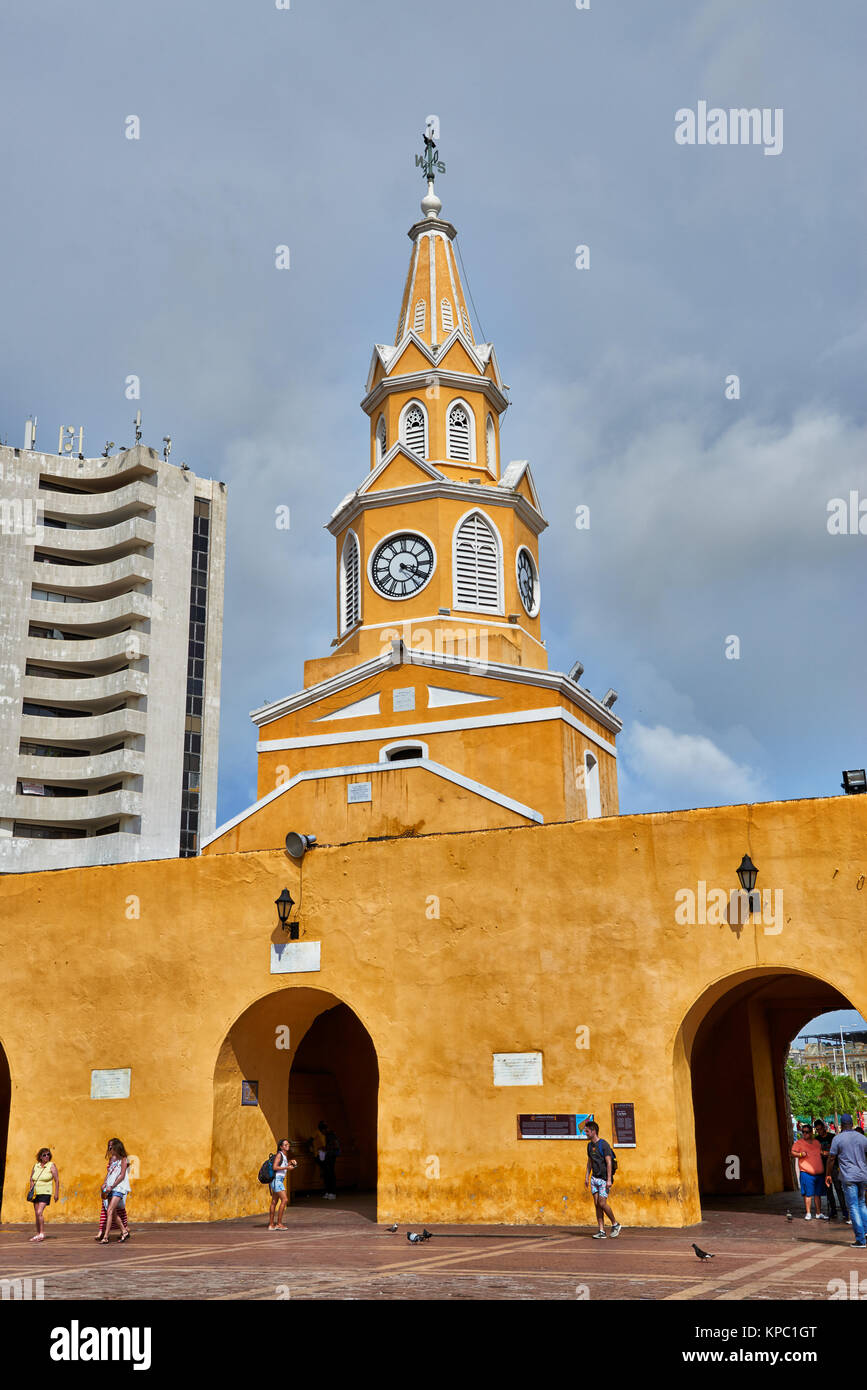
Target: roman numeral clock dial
<point>401,565</point>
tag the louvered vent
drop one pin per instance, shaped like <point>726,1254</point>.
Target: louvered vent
<point>350,584</point>
<point>418,321</point>
<point>447,316</point>
<point>413,430</point>
<point>491,445</point>
<point>380,440</point>
<point>466,318</point>
<point>477,566</point>
<point>459,433</point>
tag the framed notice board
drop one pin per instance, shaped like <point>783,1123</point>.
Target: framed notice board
<point>623,1124</point>
<point>552,1126</point>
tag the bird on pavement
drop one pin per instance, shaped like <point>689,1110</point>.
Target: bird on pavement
<point>414,1238</point>
<point>702,1254</point>
<point>392,1229</point>
<point>789,1216</point>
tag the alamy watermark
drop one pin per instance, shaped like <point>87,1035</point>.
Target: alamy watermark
<point>737,126</point>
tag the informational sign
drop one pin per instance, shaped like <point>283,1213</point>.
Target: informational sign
<point>294,957</point>
<point>32,788</point>
<point>403,698</point>
<point>623,1123</point>
<point>249,1093</point>
<point>517,1069</point>
<point>358,791</point>
<point>110,1084</point>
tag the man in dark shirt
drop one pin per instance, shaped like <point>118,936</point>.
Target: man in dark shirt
<point>600,1178</point>
<point>850,1148</point>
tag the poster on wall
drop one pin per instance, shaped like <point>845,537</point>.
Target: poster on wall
<point>249,1093</point>
<point>623,1123</point>
<point>552,1126</point>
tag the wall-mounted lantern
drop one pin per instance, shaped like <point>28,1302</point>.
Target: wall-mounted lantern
<point>747,874</point>
<point>284,905</point>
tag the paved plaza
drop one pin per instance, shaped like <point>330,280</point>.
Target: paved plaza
<point>336,1251</point>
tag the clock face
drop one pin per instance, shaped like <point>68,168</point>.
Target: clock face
<point>401,565</point>
<point>528,581</point>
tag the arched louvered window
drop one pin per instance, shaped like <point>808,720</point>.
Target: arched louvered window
<point>380,439</point>
<point>491,444</point>
<point>461,431</point>
<point>448,317</point>
<point>477,569</point>
<point>418,320</point>
<point>350,583</point>
<point>466,320</point>
<point>414,429</point>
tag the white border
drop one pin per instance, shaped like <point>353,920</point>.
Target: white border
<point>473,424</point>
<point>401,420</point>
<point>534,613</point>
<point>345,626</point>
<point>403,743</point>
<point>402,531</point>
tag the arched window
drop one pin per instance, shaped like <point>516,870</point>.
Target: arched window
<point>448,317</point>
<point>418,321</point>
<point>350,583</point>
<point>414,428</point>
<point>591,787</point>
<point>491,444</point>
<point>477,568</point>
<point>461,433</point>
<point>400,752</point>
<point>380,439</point>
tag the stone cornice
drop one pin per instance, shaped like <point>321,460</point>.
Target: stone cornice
<point>420,381</point>
<point>479,495</point>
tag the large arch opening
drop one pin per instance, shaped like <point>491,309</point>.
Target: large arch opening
<point>5,1106</point>
<point>734,1124</point>
<point>295,1057</point>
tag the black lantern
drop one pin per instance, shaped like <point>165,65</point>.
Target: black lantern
<point>284,905</point>
<point>747,873</point>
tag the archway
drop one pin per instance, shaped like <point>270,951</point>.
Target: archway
<point>5,1106</point>
<point>294,1057</point>
<point>734,1130</point>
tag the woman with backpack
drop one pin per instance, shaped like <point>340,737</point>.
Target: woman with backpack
<point>281,1165</point>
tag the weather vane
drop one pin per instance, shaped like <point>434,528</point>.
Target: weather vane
<point>429,162</point>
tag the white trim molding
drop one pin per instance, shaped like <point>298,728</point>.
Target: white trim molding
<point>438,770</point>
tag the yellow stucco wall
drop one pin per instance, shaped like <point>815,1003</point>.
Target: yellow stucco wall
<point>541,931</point>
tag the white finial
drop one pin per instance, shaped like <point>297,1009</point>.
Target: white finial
<point>431,205</point>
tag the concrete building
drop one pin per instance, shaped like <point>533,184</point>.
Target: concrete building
<point>111,609</point>
<point>844,1054</point>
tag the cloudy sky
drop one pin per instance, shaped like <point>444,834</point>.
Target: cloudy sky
<point>262,127</point>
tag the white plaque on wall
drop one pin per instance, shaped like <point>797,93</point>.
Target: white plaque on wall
<point>358,791</point>
<point>110,1085</point>
<point>294,957</point>
<point>403,698</point>
<point>517,1069</point>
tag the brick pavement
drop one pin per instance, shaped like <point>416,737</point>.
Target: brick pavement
<point>339,1253</point>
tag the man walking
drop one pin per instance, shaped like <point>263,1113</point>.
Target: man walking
<point>600,1178</point>
<point>849,1147</point>
<point>824,1136</point>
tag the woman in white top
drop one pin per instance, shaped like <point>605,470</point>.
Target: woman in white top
<point>115,1189</point>
<point>279,1194</point>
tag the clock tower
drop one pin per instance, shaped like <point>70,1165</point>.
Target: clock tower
<point>438,663</point>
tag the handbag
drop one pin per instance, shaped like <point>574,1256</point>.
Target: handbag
<point>30,1195</point>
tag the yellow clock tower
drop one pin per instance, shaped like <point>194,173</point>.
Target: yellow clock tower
<point>435,709</point>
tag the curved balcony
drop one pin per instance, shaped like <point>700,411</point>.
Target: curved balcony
<point>100,543</point>
<point>99,474</point>
<point>108,613</point>
<point>102,652</point>
<point>76,810</point>
<point>96,507</point>
<point>89,768</point>
<point>88,692</point>
<point>23,855</point>
<point>98,728</point>
<point>94,581</point>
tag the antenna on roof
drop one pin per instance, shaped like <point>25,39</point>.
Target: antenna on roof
<point>66,440</point>
<point>30,433</point>
<point>167,449</point>
<point>137,423</point>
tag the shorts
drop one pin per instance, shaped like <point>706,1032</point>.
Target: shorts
<point>41,1197</point>
<point>599,1187</point>
<point>279,1183</point>
<point>812,1185</point>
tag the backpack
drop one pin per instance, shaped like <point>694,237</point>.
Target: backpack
<point>332,1144</point>
<point>266,1172</point>
<point>604,1156</point>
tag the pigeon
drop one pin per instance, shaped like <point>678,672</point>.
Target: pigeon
<point>702,1254</point>
<point>789,1216</point>
<point>392,1229</point>
<point>414,1238</point>
<point>426,1234</point>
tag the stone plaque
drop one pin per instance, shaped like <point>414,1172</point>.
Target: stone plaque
<point>517,1069</point>
<point>294,957</point>
<point>110,1085</point>
<point>358,791</point>
<point>403,698</point>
